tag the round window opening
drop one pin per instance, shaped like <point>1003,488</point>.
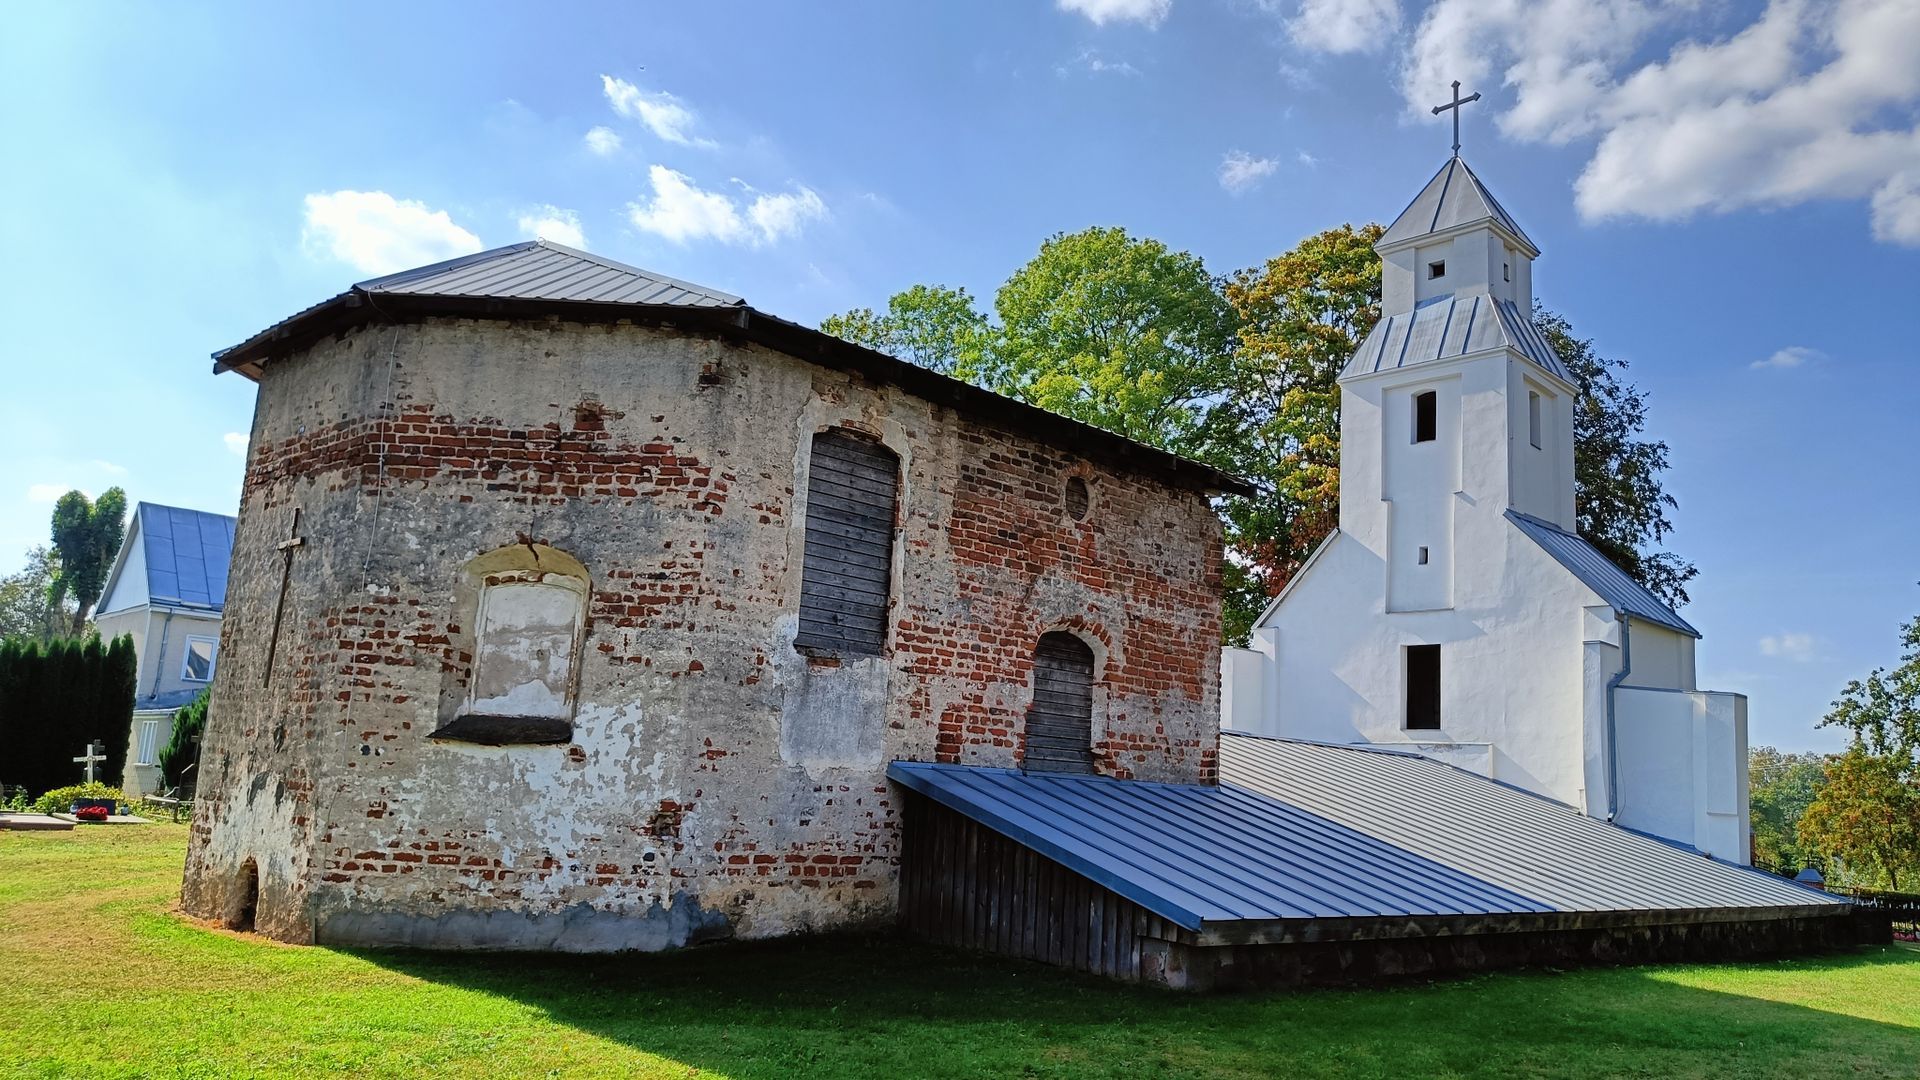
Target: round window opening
<point>1077,498</point>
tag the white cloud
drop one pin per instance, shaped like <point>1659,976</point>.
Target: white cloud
<point>1102,12</point>
<point>1344,26</point>
<point>1091,62</point>
<point>236,442</point>
<point>377,234</point>
<point>1810,100</point>
<point>1787,646</point>
<point>553,223</point>
<point>603,141</point>
<point>661,112</point>
<point>1240,170</point>
<point>1792,356</point>
<point>47,493</point>
<point>1308,159</point>
<point>681,211</point>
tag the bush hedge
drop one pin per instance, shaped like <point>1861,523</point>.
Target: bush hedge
<point>59,800</point>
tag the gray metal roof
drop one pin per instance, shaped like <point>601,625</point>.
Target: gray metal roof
<point>1197,855</point>
<point>1454,197</point>
<point>1449,326</point>
<point>1496,833</point>
<point>1597,572</point>
<point>544,270</point>
<point>187,552</point>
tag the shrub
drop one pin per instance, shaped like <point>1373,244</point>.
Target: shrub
<point>59,799</point>
<point>189,723</point>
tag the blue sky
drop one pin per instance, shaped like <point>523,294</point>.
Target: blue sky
<point>1727,195</point>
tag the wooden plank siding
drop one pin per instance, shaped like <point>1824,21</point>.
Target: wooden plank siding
<point>847,566</point>
<point>1060,720</point>
<point>962,884</point>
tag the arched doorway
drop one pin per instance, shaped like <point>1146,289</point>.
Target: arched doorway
<point>1060,721</point>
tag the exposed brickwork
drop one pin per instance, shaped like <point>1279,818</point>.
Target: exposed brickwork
<point>716,781</point>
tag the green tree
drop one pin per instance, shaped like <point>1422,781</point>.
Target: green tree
<point>1302,316</point>
<point>87,535</point>
<point>1866,817</point>
<point>1781,786</point>
<point>1883,709</point>
<point>27,603</point>
<point>931,325</point>
<point>1619,503</point>
<point>183,745</point>
<point>57,697</point>
<point>1121,333</point>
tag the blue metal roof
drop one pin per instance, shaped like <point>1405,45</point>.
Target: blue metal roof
<point>1198,855</point>
<point>1449,326</point>
<point>1454,197</point>
<point>187,552</point>
<point>1496,832</point>
<point>1597,572</point>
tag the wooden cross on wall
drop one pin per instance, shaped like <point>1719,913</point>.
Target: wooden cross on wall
<point>1457,102</point>
<point>286,547</point>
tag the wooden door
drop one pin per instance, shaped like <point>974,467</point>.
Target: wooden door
<point>1060,722</point>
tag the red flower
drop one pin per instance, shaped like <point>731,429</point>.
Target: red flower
<point>91,813</point>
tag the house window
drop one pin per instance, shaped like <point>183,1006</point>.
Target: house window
<point>1426,410</point>
<point>852,484</point>
<point>149,742</point>
<point>198,666</point>
<point>1423,687</point>
<point>1436,269</point>
<point>1533,419</point>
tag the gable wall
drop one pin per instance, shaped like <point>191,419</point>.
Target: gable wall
<point>717,781</point>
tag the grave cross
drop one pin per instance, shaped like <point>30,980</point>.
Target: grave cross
<point>1457,102</point>
<point>96,753</point>
<point>286,548</point>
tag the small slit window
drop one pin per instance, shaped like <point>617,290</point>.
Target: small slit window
<point>1506,271</point>
<point>1423,556</point>
<point>1426,410</point>
<point>1078,498</point>
<point>1423,687</point>
<point>1533,419</point>
<point>1436,269</point>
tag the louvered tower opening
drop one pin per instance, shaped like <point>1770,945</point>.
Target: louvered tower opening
<point>1060,722</point>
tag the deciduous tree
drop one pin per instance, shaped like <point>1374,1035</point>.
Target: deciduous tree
<point>27,602</point>
<point>931,325</point>
<point>1866,816</point>
<point>87,535</point>
<point>1780,787</point>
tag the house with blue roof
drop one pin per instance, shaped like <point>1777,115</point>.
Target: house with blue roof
<point>1456,612</point>
<point>167,589</point>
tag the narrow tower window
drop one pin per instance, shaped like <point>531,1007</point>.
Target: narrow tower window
<point>1506,271</point>
<point>1423,687</point>
<point>1423,556</point>
<point>1426,409</point>
<point>1437,269</point>
<point>1533,419</point>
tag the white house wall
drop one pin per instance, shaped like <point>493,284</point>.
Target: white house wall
<point>1676,748</point>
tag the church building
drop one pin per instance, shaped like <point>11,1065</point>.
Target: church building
<point>1456,612</point>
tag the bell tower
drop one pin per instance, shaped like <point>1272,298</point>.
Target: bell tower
<point>1455,408</point>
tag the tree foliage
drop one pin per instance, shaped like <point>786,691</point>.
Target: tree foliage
<point>1619,504</point>
<point>1866,817</point>
<point>28,607</point>
<point>1883,709</point>
<point>183,745</point>
<point>1301,316</point>
<point>87,535</point>
<point>1781,786</point>
<point>1126,334</point>
<point>57,697</point>
<point>931,325</point>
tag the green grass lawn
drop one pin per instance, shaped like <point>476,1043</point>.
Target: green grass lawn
<point>98,979</point>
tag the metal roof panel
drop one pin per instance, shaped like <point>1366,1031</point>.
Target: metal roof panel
<point>1597,572</point>
<point>187,553</point>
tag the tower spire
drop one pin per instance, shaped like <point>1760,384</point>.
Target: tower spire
<point>1455,106</point>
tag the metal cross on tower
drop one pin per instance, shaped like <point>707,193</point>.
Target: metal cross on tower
<point>96,753</point>
<point>286,548</point>
<point>1457,102</point>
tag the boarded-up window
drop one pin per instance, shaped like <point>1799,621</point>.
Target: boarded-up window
<point>529,628</point>
<point>1060,722</point>
<point>852,484</point>
<point>1423,687</point>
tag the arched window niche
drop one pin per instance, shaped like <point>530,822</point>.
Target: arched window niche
<point>527,606</point>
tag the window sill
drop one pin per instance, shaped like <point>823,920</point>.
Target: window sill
<point>505,730</point>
